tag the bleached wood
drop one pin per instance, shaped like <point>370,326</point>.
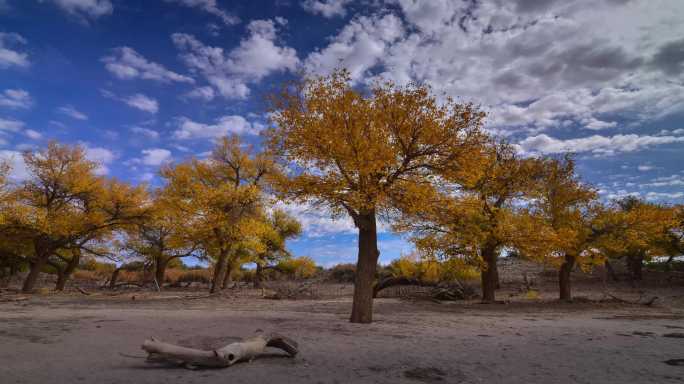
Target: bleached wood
<point>222,357</point>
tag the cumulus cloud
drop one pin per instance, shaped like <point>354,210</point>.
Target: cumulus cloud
<point>10,125</point>
<point>361,45</point>
<point>210,7</point>
<point>126,63</point>
<point>85,8</point>
<point>326,8</point>
<point>156,156</point>
<point>532,65</point>
<point>202,93</point>
<point>15,99</point>
<point>664,195</point>
<point>19,171</point>
<point>33,135</point>
<point>69,110</point>
<point>606,145</point>
<point>189,129</point>
<point>145,132</point>
<point>142,102</point>
<point>666,181</point>
<point>103,157</point>
<point>9,55</point>
<point>317,221</point>
<point>230,73</point>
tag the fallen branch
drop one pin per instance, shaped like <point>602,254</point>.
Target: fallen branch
<point>83,291</point>
<point>226,356</point>
<point>13,299</point>
<point>638,302</point>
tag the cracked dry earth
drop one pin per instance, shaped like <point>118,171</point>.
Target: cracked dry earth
<point>94,339</point>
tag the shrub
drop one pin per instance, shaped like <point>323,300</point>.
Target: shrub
<point>342,273</point>
<point>91,264</point>
<point>298,268</point>
<point>432,270</point>
<point>193,276</point>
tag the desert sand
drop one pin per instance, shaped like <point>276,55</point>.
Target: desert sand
<point>73,338</point>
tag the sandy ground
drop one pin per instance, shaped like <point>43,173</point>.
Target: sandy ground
<point>71,338</point>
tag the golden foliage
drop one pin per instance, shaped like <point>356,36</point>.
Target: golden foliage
<point>298,267</point>
<point>360,153</point>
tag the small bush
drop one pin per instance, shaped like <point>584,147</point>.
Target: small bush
<point>91,264</point>
<point>298,268</point>
<point>342,273</point>
<point>431,270</point>
<point>84,274</point>
<point>193,276</point>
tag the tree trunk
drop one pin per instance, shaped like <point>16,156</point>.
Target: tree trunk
<point>115,277</point>
<point>65,274</point>
<point>258,275</point>
<point>496,275</point>
<point>34,272</point>
<point>227,279</point>
<point>489,275</point>
<point>219,272</point>
<point>160,271</point>
<point>565,287</point>
<point>610,271</point>
<point>635,263</point>
<point>362,306</point>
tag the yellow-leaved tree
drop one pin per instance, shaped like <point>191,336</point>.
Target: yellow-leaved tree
<point>280,227</point>
<point>477,218</point>
<point>159,239</point>
<point>219,203</point>
<point>636,231</point>
<point>64,205</point>
<point>568,209</point>
<point>362,153</point>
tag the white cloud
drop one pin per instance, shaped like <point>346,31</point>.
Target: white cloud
<point>102,156</point>
<point>317,221</point>
<point>34,135</point>
<point>667,181</point>
<point>146,177</point>
<point>188,129</point>
<point>210,7</point>
<point>86,8</point>
<point>202,93</point>
<point>15,159</point>
<point>532,65</point>
<point>645,168</point>
<point>72,112</point>
<point>126,63</point>
<point>597,144</point>
<point>327,8</point>
<point>360,46</point>
<point>230,73</point>
<point>156,156</point>
<point>596,124</point>
<point>146,132</point>
<point>15,98</point>
<point>664,195</point>
<point>142,102</point>
<point>9,125</point>
<point>9,56</point>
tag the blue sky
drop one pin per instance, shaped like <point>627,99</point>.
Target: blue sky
<point>142,83</point>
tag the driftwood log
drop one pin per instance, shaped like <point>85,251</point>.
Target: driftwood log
<point>441,291</point>
<point>244,350</point>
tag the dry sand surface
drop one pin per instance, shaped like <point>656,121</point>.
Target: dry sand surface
<point>71,338</point>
